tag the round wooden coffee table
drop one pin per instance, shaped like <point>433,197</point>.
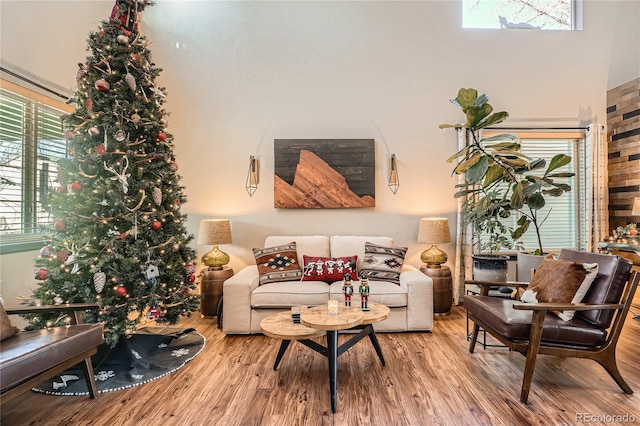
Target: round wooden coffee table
<point>314,322</point>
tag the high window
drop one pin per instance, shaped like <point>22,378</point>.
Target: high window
<point>31,142</point>
<point>522,14</point>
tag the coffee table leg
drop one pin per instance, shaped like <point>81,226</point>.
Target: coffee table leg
<point>376,345</point>
<point>283,348</point>
<point>332,349</point>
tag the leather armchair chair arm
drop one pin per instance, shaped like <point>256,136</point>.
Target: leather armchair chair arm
<point>74,310</point>
<point>565,306</point>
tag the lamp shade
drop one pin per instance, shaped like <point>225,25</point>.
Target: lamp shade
<point>434,230</point>
<point>214,231</point>
<point>635,210</point>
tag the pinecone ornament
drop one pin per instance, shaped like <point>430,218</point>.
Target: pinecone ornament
<point>82,72</point>
<point>131,81</point>
<point>99,279</point>
<point>157,195</point>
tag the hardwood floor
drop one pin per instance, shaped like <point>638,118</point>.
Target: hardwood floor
<point>430,378</point>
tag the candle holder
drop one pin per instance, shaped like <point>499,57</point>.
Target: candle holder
<point>332,307</point>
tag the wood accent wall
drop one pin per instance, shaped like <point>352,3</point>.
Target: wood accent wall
<point>623,135</point>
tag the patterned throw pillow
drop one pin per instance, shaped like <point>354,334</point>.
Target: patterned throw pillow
<point>278,263</point>
<point>329,269</point>
<point>382,263</point>
<point>560,281</point>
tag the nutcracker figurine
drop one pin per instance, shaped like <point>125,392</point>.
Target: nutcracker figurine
<point>347,289</point>
<point>364,293</point>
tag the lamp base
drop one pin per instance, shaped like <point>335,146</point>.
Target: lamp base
<point>215,259</point>
<point>433,257</point>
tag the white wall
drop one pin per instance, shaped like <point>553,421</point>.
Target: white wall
<point>240,74</point>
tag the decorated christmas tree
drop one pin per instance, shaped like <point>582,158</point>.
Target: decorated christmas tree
<point>118,235</point>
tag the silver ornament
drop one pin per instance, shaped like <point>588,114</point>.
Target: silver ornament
<point>123,39</point>
<point>94,131</point>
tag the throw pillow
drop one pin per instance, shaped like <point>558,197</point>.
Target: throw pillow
<point>6,329</point>
<point>329,269</point>
<point>278,263</point>
<point>560,281</point>
<point>382,263</point>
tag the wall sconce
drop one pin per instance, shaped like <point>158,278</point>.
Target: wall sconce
<point>251,184</point>
<point>215,231</point>
<point>434,230</point>
<point>635,210</point>
<point>394,180</point>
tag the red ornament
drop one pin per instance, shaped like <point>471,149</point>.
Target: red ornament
<point>90,104</point>
<point>156,225</point>
<point>122,236</point>
<point>174,166</point>
<point>61,189</point>
<point>68,135</point>
<point>102,85</point>
<point>121,291</point>
<point>100,149</point>
<point>154,313</point>
<point>192,278</point>
<point>63,255</point>
<point>59,225</point>
<point>162,136</point>
<point>42,274</point>
<point>76,187</point>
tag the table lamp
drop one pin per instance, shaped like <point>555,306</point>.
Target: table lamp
<point>434,230</point>
<point>215,231</point>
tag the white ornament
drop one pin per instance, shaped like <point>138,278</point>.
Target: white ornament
<point>152,272</point>
<point>123,39</point>
<point>99,279</point>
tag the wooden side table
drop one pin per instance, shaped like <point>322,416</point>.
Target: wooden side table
<point>211,290</point>
<point>442,288</point>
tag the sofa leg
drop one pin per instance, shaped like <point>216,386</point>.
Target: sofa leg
<point>535,335</point>
<point>474,337</point>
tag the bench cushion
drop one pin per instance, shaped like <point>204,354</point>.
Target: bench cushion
<point>30,353</point>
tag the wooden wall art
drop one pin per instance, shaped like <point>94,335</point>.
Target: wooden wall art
<point>324,173</point>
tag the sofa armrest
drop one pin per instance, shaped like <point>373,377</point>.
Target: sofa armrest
<point>236,309</point>
<point>419,298</point>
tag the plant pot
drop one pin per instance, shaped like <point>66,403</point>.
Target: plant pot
<point>490,267</point>
<point>527,262</point>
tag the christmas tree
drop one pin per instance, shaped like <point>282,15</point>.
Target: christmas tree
<point>118,236</point>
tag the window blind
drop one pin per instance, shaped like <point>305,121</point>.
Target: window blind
<point>31,142</point>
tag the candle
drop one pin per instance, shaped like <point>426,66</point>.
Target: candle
<point>332,306</point>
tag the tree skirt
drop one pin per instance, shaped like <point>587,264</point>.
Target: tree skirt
<point>148,354</point>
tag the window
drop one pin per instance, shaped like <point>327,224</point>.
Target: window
<point>31,141</point>
<point>523,14</point>
<point>566,223</point>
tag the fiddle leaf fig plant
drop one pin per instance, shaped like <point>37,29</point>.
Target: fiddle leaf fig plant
<point>498,179</point>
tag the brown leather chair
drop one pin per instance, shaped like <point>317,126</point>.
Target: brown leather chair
<point>533,329</point>
<point>31,357</point>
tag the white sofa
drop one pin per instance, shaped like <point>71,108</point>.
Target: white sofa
<point>246,303</point>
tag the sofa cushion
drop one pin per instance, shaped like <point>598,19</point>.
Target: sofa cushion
<point>288,294</point>
<point>383,263</point>
<point>348,245</point>
<point>329,269</point>
<point>6,328</point>
<point>394,296</point>
<point>278,263</point>
<point>560,281</point>
<point>311,245</point>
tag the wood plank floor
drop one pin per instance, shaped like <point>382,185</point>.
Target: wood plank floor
<point>429,379</point>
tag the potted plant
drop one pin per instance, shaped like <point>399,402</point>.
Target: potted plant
<point>499,179</point>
